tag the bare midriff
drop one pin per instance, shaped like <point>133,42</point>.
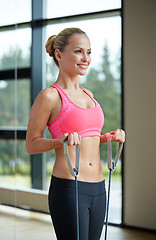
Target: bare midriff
<point>90,168</point>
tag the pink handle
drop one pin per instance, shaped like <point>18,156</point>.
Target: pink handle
<point>109,136</point>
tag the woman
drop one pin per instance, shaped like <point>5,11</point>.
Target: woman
<point>71,112</point>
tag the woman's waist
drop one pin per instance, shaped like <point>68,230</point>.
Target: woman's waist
<point>68,185</point>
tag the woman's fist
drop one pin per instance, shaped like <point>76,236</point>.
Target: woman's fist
<point>73,138</point>
<point>118,136</point>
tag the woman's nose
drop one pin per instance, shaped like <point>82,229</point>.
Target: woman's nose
<point>84,57</point>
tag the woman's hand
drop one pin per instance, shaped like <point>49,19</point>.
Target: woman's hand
<point>73,138</point>
<point>63,137</point>
<point>118,136</point>
<point>115,136</point>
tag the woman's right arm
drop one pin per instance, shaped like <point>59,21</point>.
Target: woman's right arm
<point>39,116</point>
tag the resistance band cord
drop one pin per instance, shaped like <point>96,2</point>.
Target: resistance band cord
<point>111,166</point>
<point>74,172</point>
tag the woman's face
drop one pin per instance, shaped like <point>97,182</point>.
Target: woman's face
<point>75,59</point>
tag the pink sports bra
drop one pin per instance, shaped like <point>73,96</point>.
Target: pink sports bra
<point>86,122</point>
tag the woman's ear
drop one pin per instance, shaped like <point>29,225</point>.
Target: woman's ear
<point>58,55</point>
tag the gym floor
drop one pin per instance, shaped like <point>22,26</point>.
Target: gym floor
<point>16,224</point>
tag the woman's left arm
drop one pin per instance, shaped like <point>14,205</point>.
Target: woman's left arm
<point>115,136</point>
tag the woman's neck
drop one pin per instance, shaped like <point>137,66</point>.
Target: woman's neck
<point>66,81</point>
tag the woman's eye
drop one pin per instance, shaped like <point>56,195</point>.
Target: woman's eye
<point>78,51</point>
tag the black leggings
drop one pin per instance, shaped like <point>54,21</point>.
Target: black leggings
<point>92,206</point>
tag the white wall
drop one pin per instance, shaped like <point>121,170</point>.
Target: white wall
<point>140,113</point>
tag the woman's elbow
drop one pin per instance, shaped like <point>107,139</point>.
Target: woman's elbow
<point>29,148</point>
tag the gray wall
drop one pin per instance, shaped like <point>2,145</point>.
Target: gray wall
<point>140,113</point>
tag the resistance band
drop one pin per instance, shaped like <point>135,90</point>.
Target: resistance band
<point>74,171</point>
<point>111,166</point>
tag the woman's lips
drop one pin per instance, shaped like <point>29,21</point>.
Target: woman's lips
<point>84,66</point>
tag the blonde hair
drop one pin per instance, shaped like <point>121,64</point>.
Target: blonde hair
<point>60,41</point>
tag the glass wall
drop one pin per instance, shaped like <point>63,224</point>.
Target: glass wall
<point>14,49</point>
<point>101,21</point>
<point>68,7</point>
<point>15,11</point>
<point>15,94</point>
<point>14,113</point>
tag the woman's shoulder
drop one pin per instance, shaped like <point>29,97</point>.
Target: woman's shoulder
<point>48,95</point>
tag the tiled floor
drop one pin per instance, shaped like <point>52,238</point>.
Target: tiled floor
<point>16,224</point>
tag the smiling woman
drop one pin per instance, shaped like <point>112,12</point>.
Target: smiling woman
<point>71,113</point>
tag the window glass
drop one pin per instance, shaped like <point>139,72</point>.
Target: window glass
<point>10,93</point>
<point>14,49</point>
<point>7,163</point>
<point>13,152</point>
<point>68,7</point>
<point>104,80</point>
<point>50,159</point>
<point>16,11</point>
<point>23,167</point>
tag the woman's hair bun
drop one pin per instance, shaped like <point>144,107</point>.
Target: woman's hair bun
<point>50,45</point>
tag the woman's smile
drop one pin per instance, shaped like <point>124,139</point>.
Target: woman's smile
<point>83,66</point>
